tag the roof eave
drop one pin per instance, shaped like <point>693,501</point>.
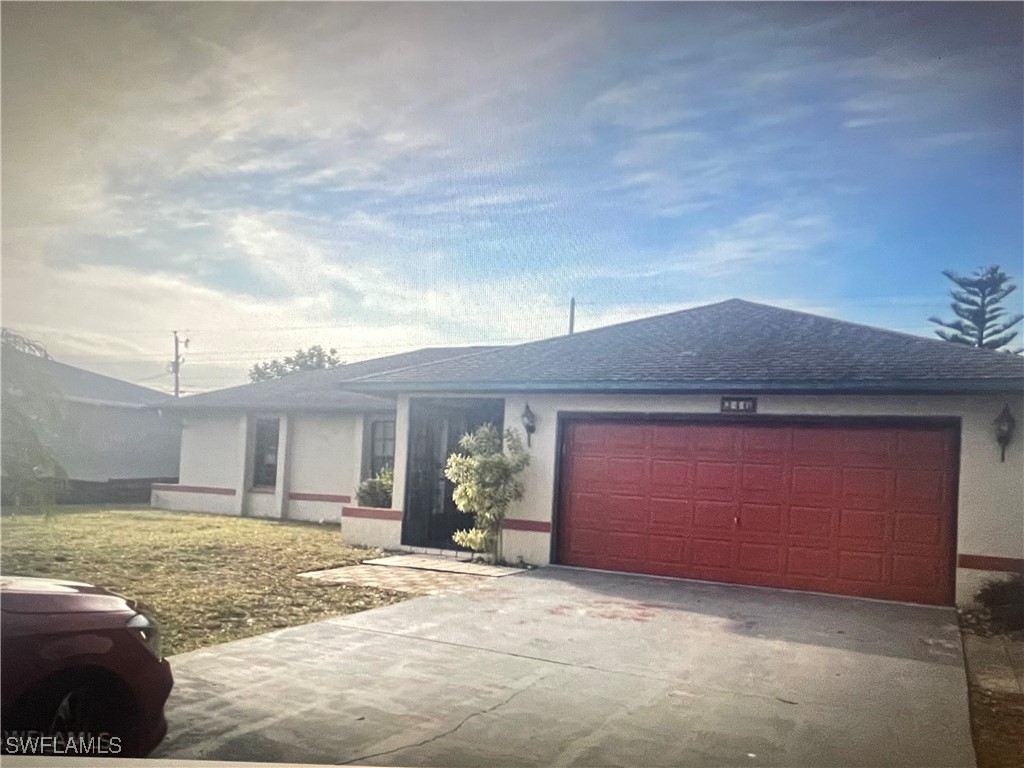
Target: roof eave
<point>275,407</point>
<point>880,387</point>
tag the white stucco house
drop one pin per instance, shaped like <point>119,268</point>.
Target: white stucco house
<point>733,442</point>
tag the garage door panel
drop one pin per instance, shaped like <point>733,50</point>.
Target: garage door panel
<point>922,488</point>
<point>808,562</point>
<point>917,529</point>
<point>867,447</point>
<point>623,546</point>
<point>925,449</point>
<point>766,444</point>
<point>714,442</point>
<point>812,482</point>
<point>670,515</point>
<point>709,515</point>
<point>670,440</point>
<point>763,481</point>
<point>671,479</point>
<point>667,551</point>
<point>866,511</point>
<point>810,522</point>
<point>625,474</point>
<point>911,571</point>
<point>585,541</point>
<point>760,518</point>
<point>861,524</point>
<point>814,447</point>
<point>861,566</point>
<point>625,512</point>
<point>588,439</point>
<point>588,471</point>
<point>589,509</point>
<point>759,558</point>
<point>715,481</point>
<point>866,488</point>
<point>713,553</point>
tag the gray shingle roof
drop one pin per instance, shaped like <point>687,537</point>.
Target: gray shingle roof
<point>320,389</point>
<point>734,345</point>
<point>80,384</point>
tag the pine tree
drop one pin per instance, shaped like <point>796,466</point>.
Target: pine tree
<point>978,303</point>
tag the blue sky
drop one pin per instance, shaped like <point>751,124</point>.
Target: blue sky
<point>378,177</point>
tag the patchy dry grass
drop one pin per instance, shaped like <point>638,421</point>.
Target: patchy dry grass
<point>207,579</point>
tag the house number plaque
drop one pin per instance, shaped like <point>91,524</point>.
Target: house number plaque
<point>739,405</point>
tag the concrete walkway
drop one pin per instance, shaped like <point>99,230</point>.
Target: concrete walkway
<point>564,667</point>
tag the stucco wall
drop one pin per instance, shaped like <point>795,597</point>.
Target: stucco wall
<point>261,505</point>
<point>382,534</point>
<point>319,454</point>
<point>187,501</point>
<point>324,453</point>
<point>991,493</point>
<point>211,451</point>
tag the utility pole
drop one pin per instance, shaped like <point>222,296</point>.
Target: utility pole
<point>175,365</point>
<point>572,315</point>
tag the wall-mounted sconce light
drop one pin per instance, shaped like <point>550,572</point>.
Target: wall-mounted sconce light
<point>1005,424</point>
<point>529,422</point>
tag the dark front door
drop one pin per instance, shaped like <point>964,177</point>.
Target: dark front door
<point>435,427</point>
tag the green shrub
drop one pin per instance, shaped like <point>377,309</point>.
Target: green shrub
<point>1004,601</point>
<point>1003,592</point>
<point>376,491</point>
<point>486,483</point>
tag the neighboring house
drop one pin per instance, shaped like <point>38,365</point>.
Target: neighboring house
<point>733,442</point>
<point>292,448</point>
<point>110,437</point>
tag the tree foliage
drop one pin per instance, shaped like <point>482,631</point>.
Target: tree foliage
<point>303,360</point>
<point>487,481</point>
<point>977,302</point>
<point>31,417</point>
<point>14,340</point>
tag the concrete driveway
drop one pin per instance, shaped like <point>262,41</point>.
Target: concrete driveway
<point>567,667</point>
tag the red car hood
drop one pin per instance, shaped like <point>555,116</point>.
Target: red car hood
<point>22,594</point>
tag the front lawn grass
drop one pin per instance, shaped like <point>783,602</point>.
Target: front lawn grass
<point>207,579</point>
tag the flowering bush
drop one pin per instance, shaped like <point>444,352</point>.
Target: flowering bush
<point>486,482</point>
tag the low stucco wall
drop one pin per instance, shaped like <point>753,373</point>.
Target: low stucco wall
<point>372,527</point>
<point>193,501</point>
<point>314,511</point>
<point>261,505</point>
<point>991,493</point>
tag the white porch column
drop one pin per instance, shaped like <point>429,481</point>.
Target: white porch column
<point>242,470</point>
<point>281,484</point>
<point>401,452</point>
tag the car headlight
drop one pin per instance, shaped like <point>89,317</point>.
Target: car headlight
<point>147,630</point>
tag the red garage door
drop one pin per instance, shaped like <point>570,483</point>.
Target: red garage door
<point>866,511</point>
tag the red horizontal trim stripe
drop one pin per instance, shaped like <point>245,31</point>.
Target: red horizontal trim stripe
<point>372,513</point>
<point>989,563</point>
<point>193,489</point>
<point>319,497</point>
<point>537,526</point>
